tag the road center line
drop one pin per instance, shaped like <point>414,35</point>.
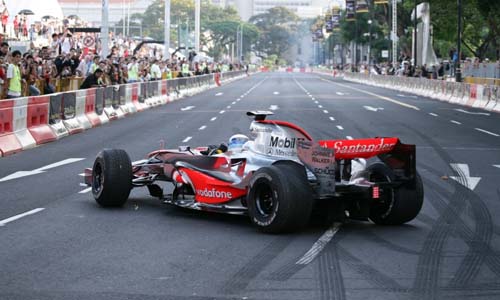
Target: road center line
<point>433,114</point>
<point>222,111</point>
<point>332,118</point>
<point>202,127</point>
<point>319,245</point>
<point>11,219</point>
<point>340,127</point>
<point>455,122</point>
<point>325,111</point>
<point>187,139</point>
<point>85,190</point>
<point>376,95</point>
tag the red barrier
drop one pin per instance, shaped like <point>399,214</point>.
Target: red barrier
<point>90,108</point>
<point>135,97</point>
<point>9,144</point>
<point>38,120</point>
<point>217,78</point>
<point>164,89</point>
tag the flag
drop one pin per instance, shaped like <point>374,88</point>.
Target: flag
<point>361,6</point>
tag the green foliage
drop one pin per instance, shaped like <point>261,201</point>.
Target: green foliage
<point>278,27</point>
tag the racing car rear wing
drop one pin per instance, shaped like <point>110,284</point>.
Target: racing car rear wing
<point>401,158</point>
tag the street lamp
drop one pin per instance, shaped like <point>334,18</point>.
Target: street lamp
<point>458,70</point>
<point>239,41</point>
<point>369,46</point>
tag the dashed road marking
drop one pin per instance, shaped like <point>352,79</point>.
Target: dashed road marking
<point>187,139</point>
<point>319,245</point>
<point>228,107</point>
<point>455,122</point>
<point>202,127</point>
<point>340,127</point>
<point>17,217</point>
<point>433,114</point>
<point>487,132</point>
<point>222,111</point>
<point>349,137</point>
<point>213,119</point>
<point>332,118</point>
<point>85,190</point>
<point>320,106</point>
<point>325,111</point>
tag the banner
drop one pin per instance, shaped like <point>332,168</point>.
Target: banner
<point>361,6</point>
<point>328,23</point>
<point>69,105</point>
<point>350,10</point>
<point>55,113</point>
<point>378,2</point>
<point>336,19</point>
<point>99,100</point>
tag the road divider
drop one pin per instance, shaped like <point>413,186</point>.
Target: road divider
<point>31,121</point>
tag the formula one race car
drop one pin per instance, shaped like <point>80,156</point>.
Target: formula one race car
<point>277,176</point>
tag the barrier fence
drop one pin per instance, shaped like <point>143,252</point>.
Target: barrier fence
<point>473,95</point>
<point>30,121</point>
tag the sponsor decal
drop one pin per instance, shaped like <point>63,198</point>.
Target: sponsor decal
<point>213,193</point>
<point>283,142</point>
<point>361,148</point>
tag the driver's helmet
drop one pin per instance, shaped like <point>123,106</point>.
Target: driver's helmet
<point>236,142</point>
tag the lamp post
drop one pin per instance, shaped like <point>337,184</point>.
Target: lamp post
<point>415,61</point>
<point>166,45</point>
<point>239,42</point>
<point>370,46</point>
<point>458,69</point>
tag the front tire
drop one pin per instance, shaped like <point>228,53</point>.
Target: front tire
<point>111,178</point>
<point>279,198</point>
<point>395,206</point>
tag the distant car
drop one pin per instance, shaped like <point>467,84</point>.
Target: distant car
<point>276,176</point>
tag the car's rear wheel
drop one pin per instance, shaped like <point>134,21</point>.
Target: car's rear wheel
<point>279,198</point>
<point>111,177</point>
<point>396,205</point>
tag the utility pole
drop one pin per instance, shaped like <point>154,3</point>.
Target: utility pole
<point>415,55</point>
<point>197,26</point>
<point>458,68</point>
<point>394,34</point>
<point>104,29</point>
<point>166,52</point>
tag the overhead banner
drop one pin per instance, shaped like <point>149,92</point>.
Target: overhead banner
<point>361,6</point>
<point>379,2</point>
<point>328,23</point>
<point>350,10</point>
<point>336,19</point>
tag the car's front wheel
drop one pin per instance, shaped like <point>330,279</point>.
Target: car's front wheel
<point>111,177</point>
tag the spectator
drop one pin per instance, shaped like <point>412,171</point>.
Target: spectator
<point>4,49</point>
<point>13,83</point>
<point>16,26</point>
<point>133,70</point>
<point>155,70</point>
<point>4,14</point>
<point>93,80</point>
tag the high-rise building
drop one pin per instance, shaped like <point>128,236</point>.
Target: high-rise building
<point>303,8</point>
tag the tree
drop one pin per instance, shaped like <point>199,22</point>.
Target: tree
<point>277,31</point>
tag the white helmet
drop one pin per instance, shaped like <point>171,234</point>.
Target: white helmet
<point>236,142</point>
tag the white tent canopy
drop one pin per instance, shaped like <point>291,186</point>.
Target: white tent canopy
<point>39,7</point>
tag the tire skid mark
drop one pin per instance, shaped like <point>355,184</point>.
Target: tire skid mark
<point>331,282</point>
<point>426,284</point>
<point>377,278</point>
<point>242,278</point>
<point>480,251</point>
<point>372,235</point>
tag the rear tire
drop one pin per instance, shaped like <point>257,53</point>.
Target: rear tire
<point>279,198</point>
<point>395,206</point>
<point>111,178</point>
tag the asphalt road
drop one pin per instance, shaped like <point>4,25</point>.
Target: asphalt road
<point>67,247</point>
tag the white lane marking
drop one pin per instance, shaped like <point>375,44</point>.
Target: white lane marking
<point>17,217</point>
<point>219,94</point>
<point>228,107</point>
<point>85,190</point>
<point>187,108</point>
<point>273,107</point>
<point>340,93</point>
<point>276,93</point>
<point>20,174</point>
<point>320,106</point>
<point>407,96</point>
<point>463,171</point>
<point>81,174</point>
<point>349,137</point>
<point>497,166</point>
<point>317,102</point>
<point>187,139</point>
<point>340,127</point>
<point>213,119</point>
<point>471,113</point>
<point>202,127</point>
<point>433,114</point>
<point>455,122</point>
<point>325,111</point>
<point>332,118</point>
<point>319,245</point>
<point>376,95</point>
<point>222,111</point>
<point>373,108</point>
<point>486,131</point>
<point>83,184</point>
<point>312,98</point>
<point>233,103</point>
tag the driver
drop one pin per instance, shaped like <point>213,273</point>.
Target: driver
<point>236,142</point>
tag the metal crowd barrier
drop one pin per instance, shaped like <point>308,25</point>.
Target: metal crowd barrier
<point>473,95</point>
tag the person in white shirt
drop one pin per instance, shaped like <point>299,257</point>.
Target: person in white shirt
<point>155,71</point>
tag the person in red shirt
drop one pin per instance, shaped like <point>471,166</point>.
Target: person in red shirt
<point>16,26</point>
